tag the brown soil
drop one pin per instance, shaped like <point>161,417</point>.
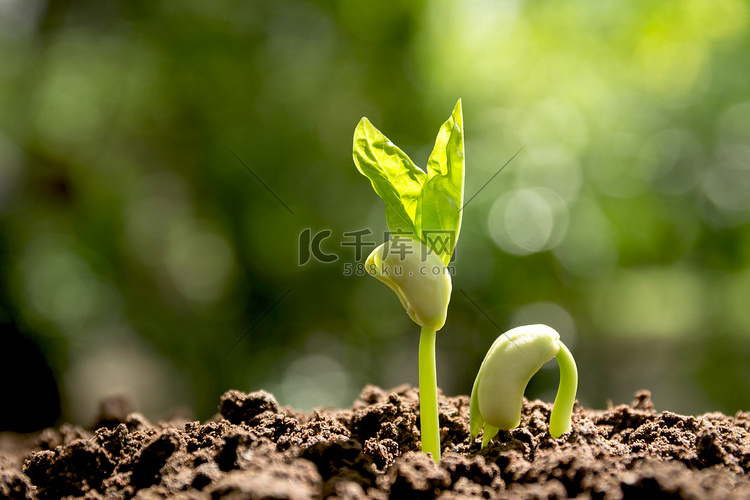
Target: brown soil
<point>256,450</point>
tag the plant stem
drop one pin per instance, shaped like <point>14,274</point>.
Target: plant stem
<point>428,402</point>
<point>559,420</point>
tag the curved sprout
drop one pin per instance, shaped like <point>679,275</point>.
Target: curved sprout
<point>513,359</point>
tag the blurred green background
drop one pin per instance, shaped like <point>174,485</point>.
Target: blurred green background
<point>143,258</point>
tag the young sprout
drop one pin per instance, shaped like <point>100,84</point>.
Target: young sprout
<point>513,359</point>
<point>423,212</point>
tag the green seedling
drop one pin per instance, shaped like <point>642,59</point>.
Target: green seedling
<point>513,359</point>
<point>423,213</point>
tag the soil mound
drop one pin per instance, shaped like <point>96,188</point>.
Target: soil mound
<point>255,449</point>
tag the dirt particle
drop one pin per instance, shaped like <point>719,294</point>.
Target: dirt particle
<point>74,469</point>
<point>341,462</point>
<point>14,485</point>
<point>113,411</point>
<point>415,475</point>
<point>643,401</point>
<point>148,463</point>
<point>298,480</point>
<point>238,407</point>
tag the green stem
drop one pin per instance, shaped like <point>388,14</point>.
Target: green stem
<point>559,420</point>
<point>428,402</point>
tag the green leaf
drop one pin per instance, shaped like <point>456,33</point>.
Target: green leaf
<point>396,179</point>
<point>439,209</point>
<point>425,206</point>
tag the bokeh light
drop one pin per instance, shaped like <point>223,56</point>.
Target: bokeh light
<point>159,162</point>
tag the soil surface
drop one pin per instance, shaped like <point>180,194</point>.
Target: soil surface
<point>255,449</point>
